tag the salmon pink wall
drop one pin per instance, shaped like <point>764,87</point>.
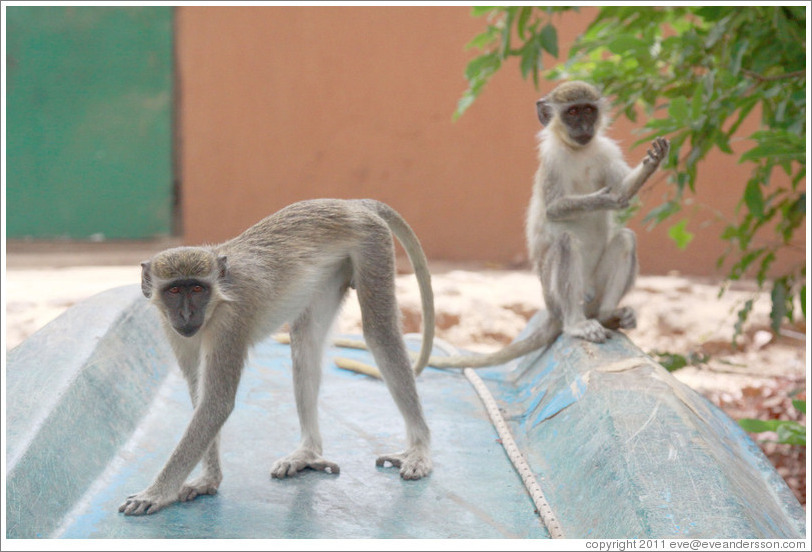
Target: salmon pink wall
<point>279,104</point>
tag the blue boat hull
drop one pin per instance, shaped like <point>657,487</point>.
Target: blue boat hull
<point>621,449</point>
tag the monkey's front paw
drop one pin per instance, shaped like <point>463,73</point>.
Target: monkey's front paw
<point>300,460</point>
<point>145,502</point>
<point>658,151</point>
<point>590,329</point>
<point>201,486</point>
<point>413,464</point>
<point>609,199</point>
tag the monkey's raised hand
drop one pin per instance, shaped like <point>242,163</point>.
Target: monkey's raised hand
<point>635,180</point>
<point>658,151</point>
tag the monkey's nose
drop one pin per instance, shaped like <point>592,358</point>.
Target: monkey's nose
<point>187,330</point>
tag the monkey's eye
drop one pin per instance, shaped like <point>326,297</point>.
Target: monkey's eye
<point>588,109</point>
<point>572,111</point>
<point>174,289</point>
<point>197,289</point>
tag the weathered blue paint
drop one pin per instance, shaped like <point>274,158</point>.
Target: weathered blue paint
<point>627,451</point>
<point>95,406</point>
<point>123,406</point>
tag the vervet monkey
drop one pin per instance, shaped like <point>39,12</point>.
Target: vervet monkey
<point>586,262</point>
<point>294,266</point>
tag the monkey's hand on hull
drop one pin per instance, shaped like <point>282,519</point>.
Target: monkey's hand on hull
<point>146,502</point>
<point>200,486</point>
<point>299,460</point>
<point>413,463</point>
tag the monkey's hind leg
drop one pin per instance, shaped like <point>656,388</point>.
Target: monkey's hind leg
<point>307,337</point>
<point>562,281</point>
<point>617,272</point>
<point>374,278</point>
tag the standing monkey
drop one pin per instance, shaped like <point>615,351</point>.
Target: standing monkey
<point>585,261</point>
<point>294,266</point>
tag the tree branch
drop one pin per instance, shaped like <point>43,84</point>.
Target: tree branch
<point>761,78</point>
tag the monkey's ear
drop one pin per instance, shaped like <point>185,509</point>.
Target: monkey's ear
<point>545,111</point>
<point>222,265</point>
<point>146,279</point>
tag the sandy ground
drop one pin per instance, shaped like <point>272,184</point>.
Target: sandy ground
<point>482,309</point>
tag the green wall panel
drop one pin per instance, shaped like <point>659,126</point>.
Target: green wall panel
<point>89,122</point>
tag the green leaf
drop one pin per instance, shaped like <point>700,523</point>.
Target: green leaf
<point>548,39</point>
<point>766,262</point>
<point>674,361</point>
<point>737,271</point>
<point>723,143</point>
<point>777,145</point>
<point>504,48</point>
<point>530,60</point>
<point>662,212</point>
<point>483,39</point>
<point>800,405</point>
<point>463,104</point>
<point>752,425</point>
<point>778,296</point>
<point>680,235</point>
<point>521,22</point>
<point>791,433</point>
<point>775,151</point>
<point>745,107</point>
<point>741,317</point>
<point>678,110</point>
<point>478,11</point>
<point>739,49</point>
<point>711,13</point>
<point>697,102</point>
<point>754,198</point>
<point>482,67</point>
<point>661,126</point>
<point>671,361</point>
<point>626,43</point>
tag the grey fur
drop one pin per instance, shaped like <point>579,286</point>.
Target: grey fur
<point>294,266</point>
<point>586,263</point>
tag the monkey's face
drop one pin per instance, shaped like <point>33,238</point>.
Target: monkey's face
<point>580,120</point>
<point>185,303</point>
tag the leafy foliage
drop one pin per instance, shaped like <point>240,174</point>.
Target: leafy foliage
<point>788,431</point>
<point>697,73</point>
<point>532,25</point>
<point>675,361</point>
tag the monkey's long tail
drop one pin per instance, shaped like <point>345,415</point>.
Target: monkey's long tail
<point>541,338</point>
<point>406,236</point>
